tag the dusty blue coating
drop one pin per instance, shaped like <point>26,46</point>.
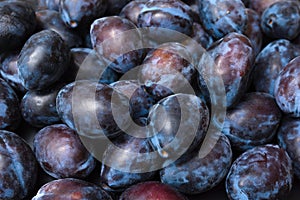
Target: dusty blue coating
<point>264,172</point>
<point>281,20</point>
<point>196,175</point>
<point>220,17</point>
<point>18,167</point>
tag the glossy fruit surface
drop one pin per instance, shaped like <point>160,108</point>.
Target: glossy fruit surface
<point>87,107</point>
<point>61,154</point>
<point>253,121</point>
<point>43,60</point>
<point>151,191</point>
<point>38,108</point>
<point>169,66</point>
<point>71,189</point>
<point>117,39</point>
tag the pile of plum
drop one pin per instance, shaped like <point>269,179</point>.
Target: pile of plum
<point>120,99</point>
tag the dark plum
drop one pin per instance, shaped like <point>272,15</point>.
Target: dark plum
<point>80,13</point>
<point>10,115</point>
<point>43,60</point>
<point>178,125</point>
<point>270,61</point>
<point>38,108</point>
<point>253,30</point>
<point>132,10</point>
<point>87,65</point>
<point>17,22</point>
<point>169,66</point>
<point>281,20</point>
<point>120,170</point>
<point>61,154</point>
<point>116,39</point>
<point>173,14</point>
<point>234,57</point>
<point>151,190</point>
<point>114,7</point>
<point>10,73</point>
<point>253,121</point>
<point>93,109</point>
<point>264,172</point>
<point>48,5</point>
<point>196,174</point>
<point>220,17</point>
<point>287,88</point>
<point>201,36</point>
<point>157,91</point>
<point>50,19</point>
<point>71,189</point>
<point>19,168</point>
<point>140,101</point>
<point>259,6</point>
<point>288,138</point>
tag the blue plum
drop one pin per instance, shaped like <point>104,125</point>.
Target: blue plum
<point>288,138</point>
<point>193,174</point>
<point>18,166</point>
<point>253,121</point>
<point>38,108</point>
<point>61,154</point>
<point>270,61</point>
<point>287,88</point>
<point>43,60</point>
<point>10,115</point>
<point>264,172</point>
<point>281,20</point>
<point>87,107</point>
<point>220,17</point>
<point>81,13</point>
<point>16,28</point>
